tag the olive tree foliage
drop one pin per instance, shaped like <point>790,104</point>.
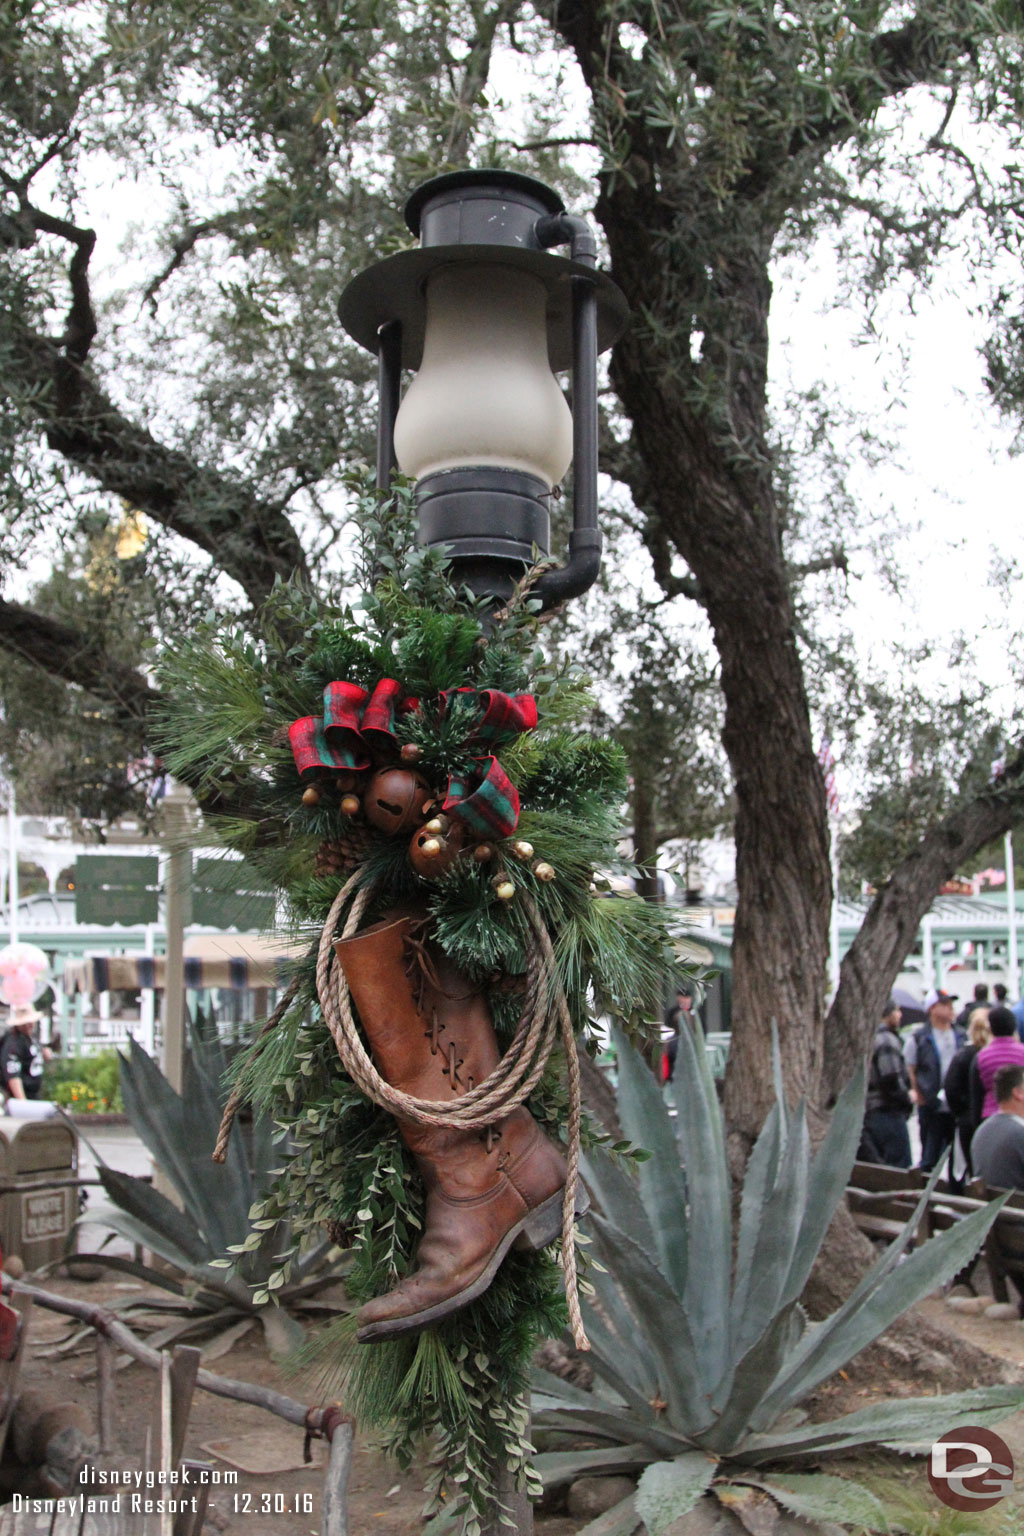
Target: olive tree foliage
<point>188,366</point>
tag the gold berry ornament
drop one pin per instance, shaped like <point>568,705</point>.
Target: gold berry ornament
<point>544,871</point>
<point>503,888</point>
<point>483,853</point>
<point>395,799</point>
<point>523,850</point>
<point>351,805</point>
<point>311,796</point>
<point>410,752</point>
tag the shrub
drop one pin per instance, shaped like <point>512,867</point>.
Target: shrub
<point>85,1084</point>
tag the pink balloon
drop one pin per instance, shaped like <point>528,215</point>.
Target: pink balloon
<point>19,989</point>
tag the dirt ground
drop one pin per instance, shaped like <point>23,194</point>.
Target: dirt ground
<point>381,1500</point>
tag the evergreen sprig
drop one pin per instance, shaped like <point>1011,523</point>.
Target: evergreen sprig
<point>342,1161</point>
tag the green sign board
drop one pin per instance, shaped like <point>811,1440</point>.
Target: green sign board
<point>227,893</point>
<point>109,889</point>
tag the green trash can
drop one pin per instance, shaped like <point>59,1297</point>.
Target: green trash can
<point>37,1208</point>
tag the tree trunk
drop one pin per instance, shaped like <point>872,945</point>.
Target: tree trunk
<point>645,834</point>
<point>515,1500</point>
<point>712,495</point>
<point>872,963</point>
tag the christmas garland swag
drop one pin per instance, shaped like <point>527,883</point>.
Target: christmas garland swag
<point>430,783</point>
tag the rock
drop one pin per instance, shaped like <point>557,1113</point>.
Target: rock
<point>78,1270</point>
<point>38,1419</point>
<point>972,1305</point>
<point>592,1496</point>
<point>1003,1312</point>
<point>931,1362</point>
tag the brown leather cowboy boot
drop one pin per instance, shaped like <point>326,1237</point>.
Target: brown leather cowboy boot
<point>487,1190</point>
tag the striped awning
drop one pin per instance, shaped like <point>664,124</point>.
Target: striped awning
<point>233,962</point>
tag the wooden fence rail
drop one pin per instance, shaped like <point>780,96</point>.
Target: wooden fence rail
<point>180,1374</point>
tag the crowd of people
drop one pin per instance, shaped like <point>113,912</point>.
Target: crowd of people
<point>963,1074</point>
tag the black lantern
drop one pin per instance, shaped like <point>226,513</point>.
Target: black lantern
<point>486,315</point>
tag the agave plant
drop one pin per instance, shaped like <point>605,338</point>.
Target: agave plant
<point>212,1292</point>
<point>701,1360</point>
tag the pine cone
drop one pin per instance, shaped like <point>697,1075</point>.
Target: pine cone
<point>341,856</point>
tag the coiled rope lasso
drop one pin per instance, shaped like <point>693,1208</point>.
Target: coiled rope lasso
<point>544,1016</point>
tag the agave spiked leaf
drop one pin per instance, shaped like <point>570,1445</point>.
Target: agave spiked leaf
<point>701,1138</point>
<point>907,1424</point>
<point>623,1520</point>
<point>660,1316</point>
<point>180,1132</point>
<point>837,1500</point>
<point>690,1358</point>
<point>829,1345</point>
<point>669,1489</point>
<point>662,1181</point>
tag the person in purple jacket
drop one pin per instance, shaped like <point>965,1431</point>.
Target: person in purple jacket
<point>1004,1051</point>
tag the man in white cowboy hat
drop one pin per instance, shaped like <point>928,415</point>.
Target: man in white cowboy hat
<point>21,1060</point>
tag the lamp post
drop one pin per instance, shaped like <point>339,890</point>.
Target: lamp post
<point>486,315</point>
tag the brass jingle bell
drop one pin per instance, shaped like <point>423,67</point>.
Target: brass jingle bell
<point>432,856</point>
<point>395,799</point>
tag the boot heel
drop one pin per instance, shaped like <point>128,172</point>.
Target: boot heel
<point>544,1225</point>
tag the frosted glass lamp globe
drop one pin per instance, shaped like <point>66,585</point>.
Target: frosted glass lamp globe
<point>485,393</point>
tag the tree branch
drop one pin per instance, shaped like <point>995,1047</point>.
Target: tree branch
<point>918,53</point>
<point>872,963</point>
<point>66,653</point>
<point>835,560</point>
<point>547,144</point>
<point>182,247</point>
<point>475,71</point>
<point>250,539</point>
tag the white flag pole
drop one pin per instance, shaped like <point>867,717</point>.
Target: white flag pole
<point>1013,969</point>
<point>12,868</point>
<point>833,931</point>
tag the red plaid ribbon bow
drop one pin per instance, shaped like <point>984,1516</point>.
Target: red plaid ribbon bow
<point>356,724</point>
<point>486,801</point>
